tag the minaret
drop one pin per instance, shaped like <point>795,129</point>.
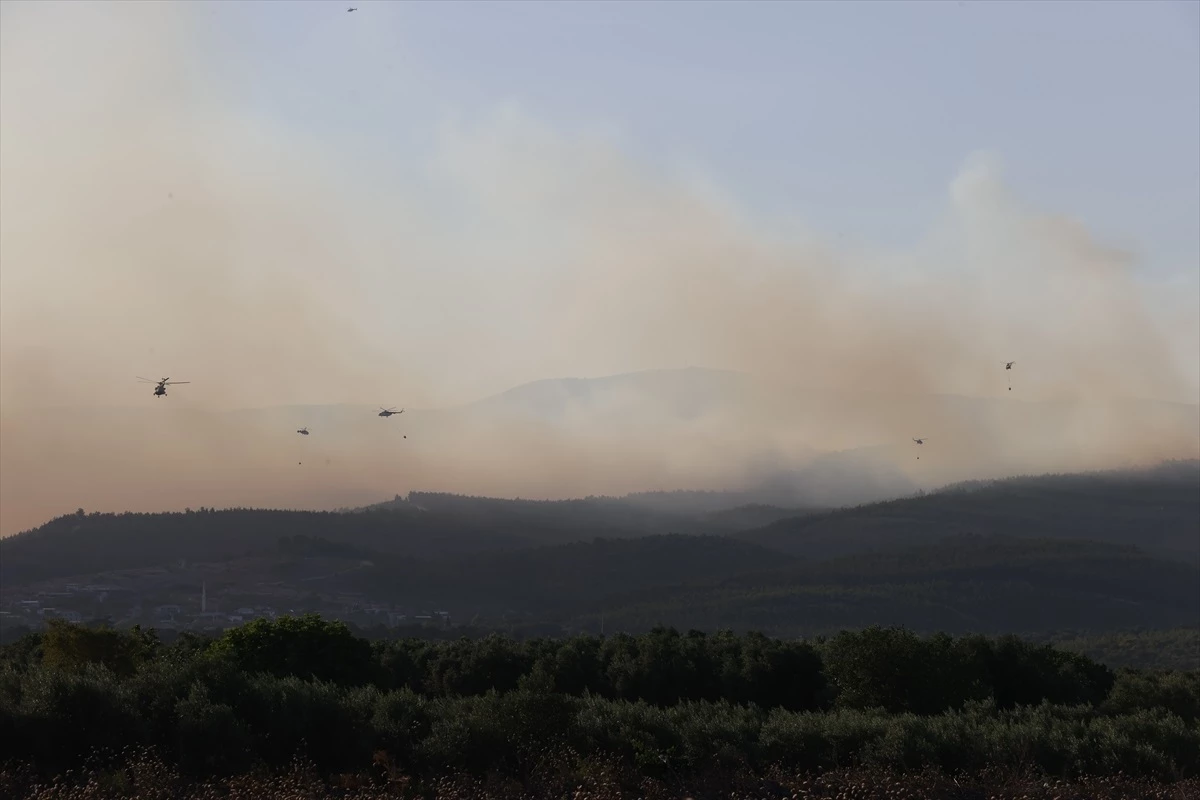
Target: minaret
<point>203,597</point>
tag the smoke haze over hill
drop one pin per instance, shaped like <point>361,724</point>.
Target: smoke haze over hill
<point>152,223</point>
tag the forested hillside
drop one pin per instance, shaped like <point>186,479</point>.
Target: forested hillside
<point>557,583</point>
<point>81,544</point>
<point>88,543</point>
<point>423,525</point>
<point>1157,510</point>
<point>970,583</point>
<point>961,584</point>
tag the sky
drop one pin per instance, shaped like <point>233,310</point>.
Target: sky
<point>849,115</point>
<point>847,118</point>
<point>421,204</point>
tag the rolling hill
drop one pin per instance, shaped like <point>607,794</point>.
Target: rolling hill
<point>426,525</point>
<point>964,583</point>
<point>984,584</point>
<point>981,584</point>
<point>1089,553</point>
<point>90,543</point>
<point>1156,509</point>
<point>558,582</point>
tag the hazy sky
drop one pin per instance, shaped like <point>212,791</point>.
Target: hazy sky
<point>853,116</point>
<point>419,204</point>
<point>439,158</point>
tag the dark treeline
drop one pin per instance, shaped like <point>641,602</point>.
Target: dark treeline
<point>1175,649</point>
<point>662,701</point>
<point>891,669</point>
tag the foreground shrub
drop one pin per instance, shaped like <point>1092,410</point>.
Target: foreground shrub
<point>664,705</point>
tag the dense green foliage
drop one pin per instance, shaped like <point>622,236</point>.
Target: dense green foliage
<point>72,647</point>
<point>662,702</point>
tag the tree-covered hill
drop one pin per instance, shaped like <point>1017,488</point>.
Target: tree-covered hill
<point>555,583</point>
<point>1157,510</point>
<point>423,525</point>
<point>89,543</point>
<point>962,584</point>
<point>1087,553</point>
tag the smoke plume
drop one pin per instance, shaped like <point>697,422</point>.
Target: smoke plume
<point>151,226</point>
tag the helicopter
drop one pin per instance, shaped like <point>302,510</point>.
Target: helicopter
<point>303,431</point>
<point>919,441</point>
<point>387,412</point>
<point>160,390</point>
